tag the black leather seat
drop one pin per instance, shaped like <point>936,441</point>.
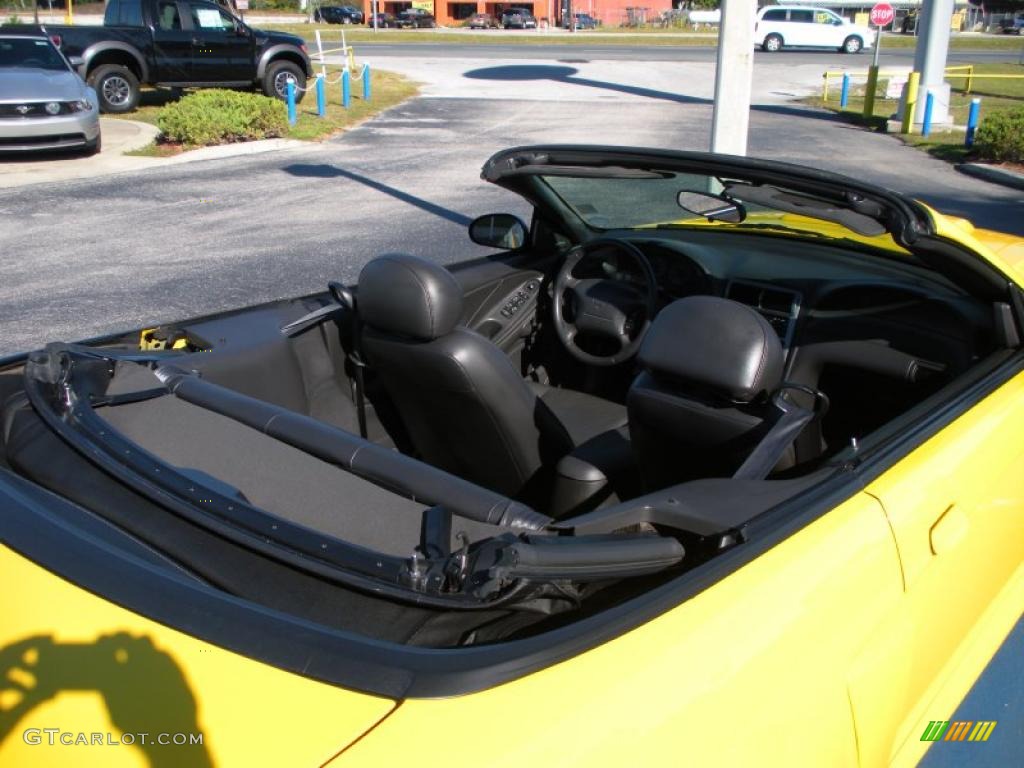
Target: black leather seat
<point>464,406</point>
<point>703,400</point>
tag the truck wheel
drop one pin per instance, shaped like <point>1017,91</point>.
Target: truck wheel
<point>117,88</point>
<point>772,44</point>
<point>275,80</point>
<point>852,44</point>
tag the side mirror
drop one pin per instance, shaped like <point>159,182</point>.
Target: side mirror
<point>76,61</point>
<point>498,230</point>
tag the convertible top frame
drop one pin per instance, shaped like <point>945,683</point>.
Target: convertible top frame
<point>909,222</point>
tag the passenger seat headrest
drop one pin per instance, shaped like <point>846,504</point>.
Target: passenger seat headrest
<point>409,296</point>
<point>716,345</point>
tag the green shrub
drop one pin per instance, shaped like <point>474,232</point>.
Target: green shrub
<point>1000,136</point>
<point>222,117</point>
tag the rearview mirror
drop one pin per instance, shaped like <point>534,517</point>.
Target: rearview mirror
<point>76,61</point>
<point>711,207</point>
<point>498,230</point>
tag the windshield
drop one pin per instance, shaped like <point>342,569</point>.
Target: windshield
<point>646,201</point>
<point>30,52</point>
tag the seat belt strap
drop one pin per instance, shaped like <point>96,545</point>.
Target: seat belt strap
<point>316,317</point>
<point>344,301</point>
<point>355,356</point>
<point>359,384</point>
<point>791,421</point>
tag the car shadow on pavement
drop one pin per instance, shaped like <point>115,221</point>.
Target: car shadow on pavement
<point>324,171</point>
<point>561,74</point>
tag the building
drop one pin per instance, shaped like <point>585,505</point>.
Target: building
<point>611,13</point>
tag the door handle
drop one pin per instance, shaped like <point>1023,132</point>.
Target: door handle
<point>948,530</point>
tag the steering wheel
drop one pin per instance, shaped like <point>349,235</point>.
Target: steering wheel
<point>609,308</point>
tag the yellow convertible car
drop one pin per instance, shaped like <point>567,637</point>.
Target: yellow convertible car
<point>717,462</point>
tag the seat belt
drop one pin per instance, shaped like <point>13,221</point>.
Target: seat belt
<point>788,425</point>
<point>355,357</point>
<point>344,300</point>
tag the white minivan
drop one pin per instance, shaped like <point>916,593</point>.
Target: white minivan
<point>781,26</point>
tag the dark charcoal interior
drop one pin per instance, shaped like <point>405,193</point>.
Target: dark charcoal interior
<point>466,373</point>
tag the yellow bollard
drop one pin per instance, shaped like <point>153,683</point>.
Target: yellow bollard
<point>869,91</point>
<point>910,103</point>
<point>69,17</point>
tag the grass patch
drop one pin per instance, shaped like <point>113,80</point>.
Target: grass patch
<point>997,96</point>
<point>968,42</point>
<point>389,89</point>
<point>157,150</point>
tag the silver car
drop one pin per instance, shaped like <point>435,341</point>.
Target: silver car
<point>44,104</point>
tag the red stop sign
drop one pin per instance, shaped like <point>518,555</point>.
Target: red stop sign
<point>882,15</point>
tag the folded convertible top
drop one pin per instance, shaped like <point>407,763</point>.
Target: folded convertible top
<point>375,463</point>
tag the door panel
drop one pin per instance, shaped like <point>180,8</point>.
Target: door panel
<point>750,672</point>
<point>172,43</point>
<point>827,32</point>
<point>489,286</point>
<point>801,29</point>
<point>219,53</point>
<point>956,507</point>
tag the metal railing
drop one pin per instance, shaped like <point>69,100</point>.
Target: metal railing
<point>960,71</point>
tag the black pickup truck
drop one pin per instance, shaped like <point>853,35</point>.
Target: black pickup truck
<point>177,43</point>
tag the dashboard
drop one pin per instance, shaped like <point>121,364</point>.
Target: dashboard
<point>811,293</point>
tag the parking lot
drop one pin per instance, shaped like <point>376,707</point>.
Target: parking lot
<point>177,239</point>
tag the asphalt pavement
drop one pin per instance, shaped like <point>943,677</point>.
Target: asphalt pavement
<point>91,256</point>
<point>94,256</point>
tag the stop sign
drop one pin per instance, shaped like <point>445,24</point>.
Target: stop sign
<point>882,15</point>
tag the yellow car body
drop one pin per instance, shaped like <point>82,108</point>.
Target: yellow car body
<point>835,647</point>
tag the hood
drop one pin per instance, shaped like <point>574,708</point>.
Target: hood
<point>270,37</point>
<point>31,84</point>
<point>1005,251</point>
<point>791,224</point>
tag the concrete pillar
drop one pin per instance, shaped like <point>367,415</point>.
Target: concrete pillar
<point>733,73</point>
<point>930,59</point>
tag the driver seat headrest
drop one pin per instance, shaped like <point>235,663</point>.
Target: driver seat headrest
<point>409,296</point>
<point>717,346</point>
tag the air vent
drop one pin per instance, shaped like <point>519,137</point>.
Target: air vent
<point>776,301</point>
<point>777,305</point>
<point>744,293</point>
